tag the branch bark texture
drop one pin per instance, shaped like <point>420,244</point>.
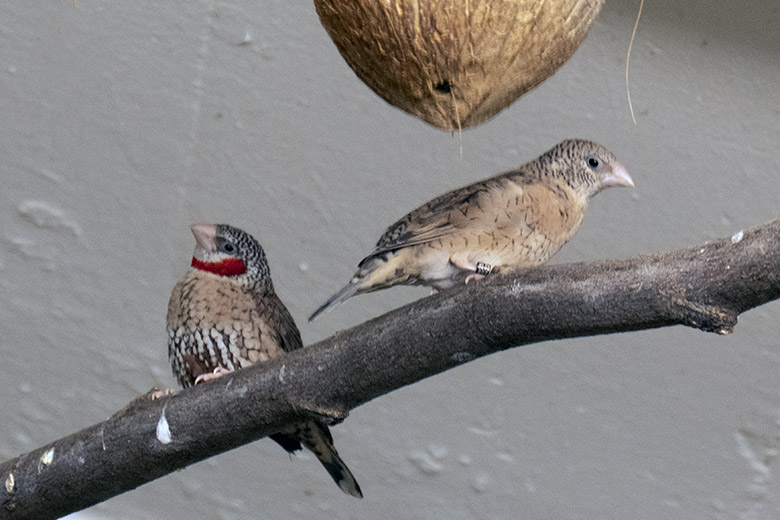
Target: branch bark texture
<point>706,287</point>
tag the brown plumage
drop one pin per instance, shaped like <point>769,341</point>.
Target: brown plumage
<point>224,315</point>
<point>517,219</point>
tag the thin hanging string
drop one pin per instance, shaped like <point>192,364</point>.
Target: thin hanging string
<point>628,58</point>
<point>457,118</point>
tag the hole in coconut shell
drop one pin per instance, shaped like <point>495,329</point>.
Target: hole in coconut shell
<point>443,87</point>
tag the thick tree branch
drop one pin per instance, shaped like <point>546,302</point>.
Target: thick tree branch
<point>705,287</point>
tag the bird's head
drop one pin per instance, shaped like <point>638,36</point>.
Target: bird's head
<point>227,251</point>
<point>587,167</point>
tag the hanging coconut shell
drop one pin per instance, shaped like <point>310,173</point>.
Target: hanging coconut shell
<point>455,63</point>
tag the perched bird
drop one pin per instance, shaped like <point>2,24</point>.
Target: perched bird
<point>517,219</point>
<point>224,315</point>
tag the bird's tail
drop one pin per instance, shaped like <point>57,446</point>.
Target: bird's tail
<point>317,438</point>
<point>374,272</point>
<point>346,292</point>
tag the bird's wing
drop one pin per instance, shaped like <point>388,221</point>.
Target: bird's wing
<point>435,219</point>
<point>283,325</point>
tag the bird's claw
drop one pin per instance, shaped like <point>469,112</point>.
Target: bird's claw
<point>208,376</point>
<point>474,276</point>
<point>156,393</point>
<point>480,269</point>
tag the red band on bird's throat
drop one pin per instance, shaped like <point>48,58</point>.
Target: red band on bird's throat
<point>226,267</point>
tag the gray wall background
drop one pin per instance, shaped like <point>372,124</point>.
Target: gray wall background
<point>125,122</point>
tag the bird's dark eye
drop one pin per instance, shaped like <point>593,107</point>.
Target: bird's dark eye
<point>225,246</point>
<point>593,163</point>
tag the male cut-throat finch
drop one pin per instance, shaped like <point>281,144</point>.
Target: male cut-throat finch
<point>224,315</point>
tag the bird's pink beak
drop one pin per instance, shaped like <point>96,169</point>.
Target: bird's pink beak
<point>206,236</point>
<point>618,177</point>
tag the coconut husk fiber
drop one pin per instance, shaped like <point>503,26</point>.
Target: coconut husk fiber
<point>456,63</point>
